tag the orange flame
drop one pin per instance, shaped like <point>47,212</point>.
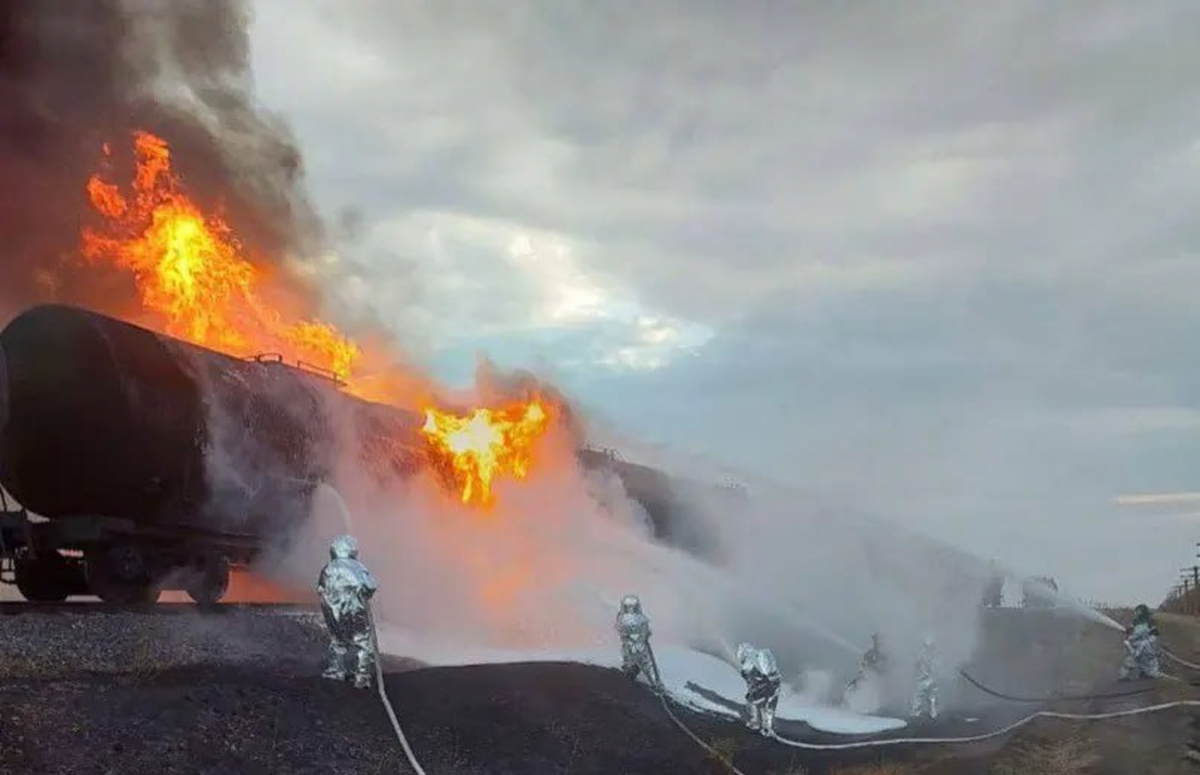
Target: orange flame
<point>191,270</point>
<point>485,444</point>
<point>193,275</point>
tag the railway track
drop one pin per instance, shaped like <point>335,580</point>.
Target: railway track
<point>17,608</point>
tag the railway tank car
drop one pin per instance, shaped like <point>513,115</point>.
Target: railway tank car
<point>155,458</point>
<point>155,463</point>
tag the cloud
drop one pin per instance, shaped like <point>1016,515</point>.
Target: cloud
<point>1158,499</point>
<point>938,260</point>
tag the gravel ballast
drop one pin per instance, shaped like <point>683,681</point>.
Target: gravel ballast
<point>239,691</point>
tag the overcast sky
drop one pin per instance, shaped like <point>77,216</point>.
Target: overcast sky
<point>935,259</point>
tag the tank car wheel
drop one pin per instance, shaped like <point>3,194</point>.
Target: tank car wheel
<point>41,580</point>
<point>116,575</point>
<point>208,581</point>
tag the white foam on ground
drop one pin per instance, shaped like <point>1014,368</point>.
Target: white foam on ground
<point>679,666</point>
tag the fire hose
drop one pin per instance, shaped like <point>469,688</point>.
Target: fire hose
<point>964,739</point>
<point>416,765</point>
<point>344,513</point>
<point>661,690</point>
<point>1016,724</point>
<point>387,704</point>
<point>1053,698</point>
<point>663,697</point>
<point>988,735</point>
<point>1179,661</point>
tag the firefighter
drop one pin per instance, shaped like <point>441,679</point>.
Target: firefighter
<point>346,588</point>
<point>761,674</point>
<point>925,698</point>
<point>633,627</point>
<point>1142,658</point>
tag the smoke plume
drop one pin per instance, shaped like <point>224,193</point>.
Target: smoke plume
<point>75,76</point>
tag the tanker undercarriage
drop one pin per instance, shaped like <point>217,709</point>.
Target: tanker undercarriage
<point>49,561</point>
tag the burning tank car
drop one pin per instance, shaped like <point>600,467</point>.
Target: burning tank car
<point>156,464</point>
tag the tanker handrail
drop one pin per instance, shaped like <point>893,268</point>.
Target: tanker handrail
<point>302,366</point>
<point>266,358</point>
<point>321,371</point>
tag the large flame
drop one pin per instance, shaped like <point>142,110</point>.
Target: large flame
<point>486,443</point>
<point>191,270</point>
<point>197,281</point>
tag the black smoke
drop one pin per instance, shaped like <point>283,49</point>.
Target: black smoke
<point>76,74</point>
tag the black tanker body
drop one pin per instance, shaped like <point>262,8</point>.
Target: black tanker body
<point>151,455</point>
<point>156,463</point>
<point>109,419</point>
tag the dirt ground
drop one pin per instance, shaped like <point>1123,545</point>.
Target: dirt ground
<point>240,693</point>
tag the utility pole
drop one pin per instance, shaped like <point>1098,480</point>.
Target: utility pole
<point>1195,569</point>
<point>1191,577</point>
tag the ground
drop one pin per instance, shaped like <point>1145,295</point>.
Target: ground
<point>239,692</point>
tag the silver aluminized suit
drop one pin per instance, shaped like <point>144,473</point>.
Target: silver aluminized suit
<point>1142,659</point>
<point>864,693</point>
<point>346,588</point>
<point>763,681</point>
<point>925,697</point>
<point>633,627</point>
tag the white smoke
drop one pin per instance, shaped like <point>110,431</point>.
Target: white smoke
<point>543,568</point>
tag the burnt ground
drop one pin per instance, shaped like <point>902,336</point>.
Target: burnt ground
<point>240,692</point>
